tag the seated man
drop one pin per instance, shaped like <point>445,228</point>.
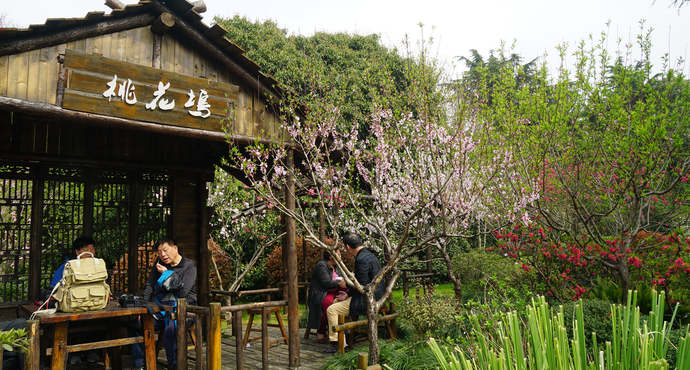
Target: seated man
<point>80,245</point>
<point>352,302</point>
<point>183,270</point>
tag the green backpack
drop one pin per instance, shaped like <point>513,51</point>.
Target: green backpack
<point>83,286</point>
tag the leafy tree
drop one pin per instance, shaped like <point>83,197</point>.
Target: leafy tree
<point>341,60</point>
<point>608,145</point>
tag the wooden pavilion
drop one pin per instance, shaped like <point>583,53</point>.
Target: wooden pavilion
<point>110,126</point>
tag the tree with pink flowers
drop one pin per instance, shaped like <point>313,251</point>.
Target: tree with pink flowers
<point>403,178</point>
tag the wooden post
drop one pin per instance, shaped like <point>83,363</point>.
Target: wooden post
<point>237,329</point>
<point>33,360</point>
<point>59,346</point>
<point>35,250</point>
<point>290,253</point>
<point>62,80</point>
<point>264,338</point>
<point>133,253</point>
<point>182,334</point>
<point>341,335</point>
<point>156,60</point>
<point>362,361</point>
<point>233,301</point>
<point>199,344</point>
<point>213,351</point>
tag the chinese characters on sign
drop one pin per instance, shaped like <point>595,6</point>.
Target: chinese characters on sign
<point>125,91</point>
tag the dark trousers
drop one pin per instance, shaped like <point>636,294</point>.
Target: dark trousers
<point>169,341</point>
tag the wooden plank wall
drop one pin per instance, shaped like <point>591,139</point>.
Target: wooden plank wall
<point>33,75</point>
<point>186,213</point>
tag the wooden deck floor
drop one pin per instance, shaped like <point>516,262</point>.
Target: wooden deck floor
<point>311,355</point>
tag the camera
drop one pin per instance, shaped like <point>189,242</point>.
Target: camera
<point>130,300</point>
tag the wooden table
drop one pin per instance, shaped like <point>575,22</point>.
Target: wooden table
<point>112,311</point>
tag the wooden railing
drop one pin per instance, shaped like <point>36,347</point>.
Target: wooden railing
<point>237,320</point>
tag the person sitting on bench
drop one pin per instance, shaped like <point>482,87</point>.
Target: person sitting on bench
<point>352,302</point>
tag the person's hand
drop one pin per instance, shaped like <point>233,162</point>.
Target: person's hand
<point>341,296</point>
<point>161,268</point>
<point>342,284</point>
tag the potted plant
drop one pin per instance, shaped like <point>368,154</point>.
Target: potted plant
<point>13,340</point>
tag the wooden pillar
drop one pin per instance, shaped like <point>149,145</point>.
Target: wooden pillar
<point>290,256</point>
<point>204,260</point>
<point>33,359</point>
<point>182,334</point>
<point>264,338</point>
<point>88,205</point>
<point>132,262</point>
<point>213,352</point>
<point>239,349</point>
<point>35,246</point>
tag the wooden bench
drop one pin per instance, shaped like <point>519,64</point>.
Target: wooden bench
<point>387,317</point>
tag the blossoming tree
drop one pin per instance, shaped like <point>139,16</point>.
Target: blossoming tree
<point>415,177</point>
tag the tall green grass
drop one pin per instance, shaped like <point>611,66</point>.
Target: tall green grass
<point>546,345</point>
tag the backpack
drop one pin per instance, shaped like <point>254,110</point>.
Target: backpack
<point>166,291</point>
<point>83,286</point>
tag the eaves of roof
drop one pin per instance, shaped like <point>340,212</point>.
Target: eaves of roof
<point>181,8</point>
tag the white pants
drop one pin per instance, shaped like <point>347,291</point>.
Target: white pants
<point>337,308</point>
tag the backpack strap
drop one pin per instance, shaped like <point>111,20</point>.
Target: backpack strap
<point>162,315</point>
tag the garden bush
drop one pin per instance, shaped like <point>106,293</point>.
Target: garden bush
<point>597,319</point>
<point>428,313</point>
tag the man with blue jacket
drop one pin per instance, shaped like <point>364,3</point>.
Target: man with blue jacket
<point>172,276</point>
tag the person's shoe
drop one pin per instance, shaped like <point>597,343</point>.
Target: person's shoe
<point>75,358</point>
<point>332,349</point>
<point>91,356</point>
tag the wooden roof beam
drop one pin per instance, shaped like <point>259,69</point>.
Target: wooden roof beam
<point>90,30</point>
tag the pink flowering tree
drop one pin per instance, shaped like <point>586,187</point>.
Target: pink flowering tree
<point>242,225</point>
<point>607,142</point>
<point>403,178</point>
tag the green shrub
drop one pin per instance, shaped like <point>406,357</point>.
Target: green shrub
<point>428,313</point>
<point>597,319</point>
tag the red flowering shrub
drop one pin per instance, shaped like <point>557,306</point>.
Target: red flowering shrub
<point>565,270</point>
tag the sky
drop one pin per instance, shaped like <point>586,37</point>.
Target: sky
<point>536,26</point>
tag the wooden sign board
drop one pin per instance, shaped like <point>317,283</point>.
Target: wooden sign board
<point>120,89</point>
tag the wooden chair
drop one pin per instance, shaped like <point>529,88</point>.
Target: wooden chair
<point>269,311</point>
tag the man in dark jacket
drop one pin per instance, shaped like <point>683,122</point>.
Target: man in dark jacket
<point>352,302</point>
<point>184,271</point>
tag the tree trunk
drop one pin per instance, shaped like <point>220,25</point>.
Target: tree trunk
<point>457,282</point>
<point>372,316</point>
<point>624,273</point>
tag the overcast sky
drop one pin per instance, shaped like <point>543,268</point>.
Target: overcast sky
<point>458,26</point>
